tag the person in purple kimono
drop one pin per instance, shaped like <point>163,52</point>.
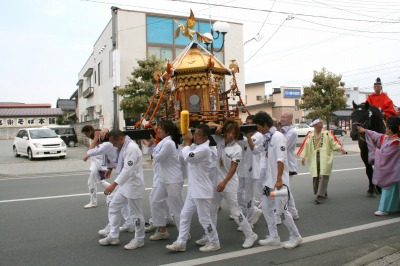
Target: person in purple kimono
<point>386,165</point>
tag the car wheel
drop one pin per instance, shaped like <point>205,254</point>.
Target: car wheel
<point>30,155</point>
<point>62,157</point>
<point>15,152</point>
<point>71,143</point>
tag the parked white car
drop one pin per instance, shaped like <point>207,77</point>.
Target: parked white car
<point>38,143</point>
<point>302,129</point>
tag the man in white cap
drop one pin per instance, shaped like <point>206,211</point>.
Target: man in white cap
<point>318,147</point>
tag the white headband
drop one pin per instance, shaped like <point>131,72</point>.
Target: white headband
<point>316,121</point>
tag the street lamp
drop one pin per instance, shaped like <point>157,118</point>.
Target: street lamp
<point>220,28</point>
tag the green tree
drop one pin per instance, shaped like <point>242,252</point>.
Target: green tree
<point>324,96</point>
<point>136,95</point>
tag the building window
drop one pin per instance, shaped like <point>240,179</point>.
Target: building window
<point>259,98</point>
<point>161,40</point>
<point>99,73</point>
<point>110,63</point>
<point>52,120</point>
<point>159,30</point>
<point>296,105</point>
<point>163,53</point>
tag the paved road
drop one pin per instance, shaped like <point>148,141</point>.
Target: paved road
<point>9,165</point>
<point>43,223</point>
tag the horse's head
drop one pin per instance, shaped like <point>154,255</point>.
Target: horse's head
<point>367,116</point>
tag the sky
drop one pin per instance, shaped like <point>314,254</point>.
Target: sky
<point>45,43</point>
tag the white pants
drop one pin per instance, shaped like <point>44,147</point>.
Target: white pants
<point>166,207</point>
<point>203,210</point>
<point>172,193</point>
<point>291,204</point>
<point>124,211</point>
<point>135,211</point>
<point>93,180</point>
<point>246,197</point>
<point>236,212</point>
<point>261,181</point>
<point>268,204</point>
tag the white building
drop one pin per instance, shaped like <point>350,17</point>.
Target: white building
<point>353,94</point>
<point>129,36</point>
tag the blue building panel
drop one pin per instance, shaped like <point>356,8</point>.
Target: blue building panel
<point>292,93</point>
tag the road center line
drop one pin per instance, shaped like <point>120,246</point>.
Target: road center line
<point>245,252</point>
<point>54,175</point>
<point>60,196</point>
<point>85,194</point>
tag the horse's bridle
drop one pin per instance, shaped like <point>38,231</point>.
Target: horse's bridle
<point>363,125</point>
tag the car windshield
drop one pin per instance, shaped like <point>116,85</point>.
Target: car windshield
<point>42,134</point>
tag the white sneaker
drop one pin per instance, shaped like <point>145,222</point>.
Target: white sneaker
<point>295,217</point>
<point>104,232</point>
<point>177,247</point>
<point>249,241</point>
<point>170,222</point>
<point>381,213</point>
<point>270,241</point>
<point>159,236</point>
<point>134,244</point>
<point>257,215</point>
<point>241,230</point>
<point>126,228</point>
<point>202,241</point>
<point>90,205</point>
<point>109,241</point>
<point>210,247</point>
<point>150,228</point>
<point>293,242</point>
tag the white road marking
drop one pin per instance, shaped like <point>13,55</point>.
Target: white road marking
<point>56,197</point>
<point>85,194</point>
<point>53,175</point>
<point>245,252</point>
<point>33,177</point>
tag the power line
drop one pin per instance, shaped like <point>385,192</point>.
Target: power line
<point>341,9</point>
<point>294,14</point>
<point>288,18</point>
<point>375,32</point>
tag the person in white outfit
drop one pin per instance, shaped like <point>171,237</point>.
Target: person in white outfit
<point>277,178</point>
<point>150,144</point>
<point>168,169</point>
<point>95,167</point>
<point>200,190</point>
<point>249,172</point>
<point>229,155</point>
<point>287,130</point>
<point>130,192</point>
<point>109,153</point>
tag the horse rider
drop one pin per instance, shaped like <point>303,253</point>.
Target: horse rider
<point>381,100</point>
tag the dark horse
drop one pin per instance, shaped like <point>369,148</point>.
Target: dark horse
<point>369,117</point>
